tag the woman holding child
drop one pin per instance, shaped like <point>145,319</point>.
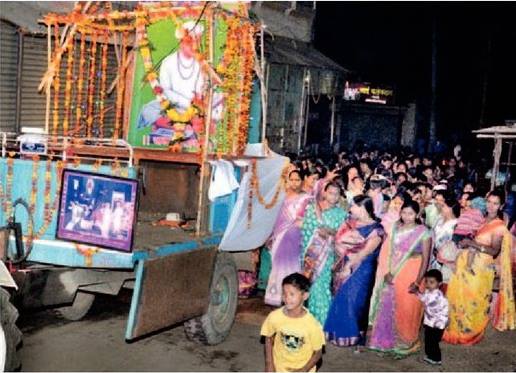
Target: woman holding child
<point>357,245</point>
<point>322,219</point>
<point>470,287</point>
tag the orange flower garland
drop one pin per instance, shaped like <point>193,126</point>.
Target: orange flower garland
<point>229,67</point>
<point>57,82</point>
<point>78,109</point>
<point>91,86</point>
<point>87,252</point>
<point>68,88</point>
<point>7,205</point>
<point>237,68</point>
<point>103,80</point>
<point>121,88</point>
<point>247,81</point>
<point>254,189</point>
<point>50,210</point>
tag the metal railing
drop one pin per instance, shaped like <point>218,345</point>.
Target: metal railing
<point>68,148</point>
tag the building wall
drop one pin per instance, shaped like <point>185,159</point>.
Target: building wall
<point>283,110</point>
<point>377,126</point>
<point>408,129</point>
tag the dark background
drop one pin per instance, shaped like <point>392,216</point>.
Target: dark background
<point>391,43</point>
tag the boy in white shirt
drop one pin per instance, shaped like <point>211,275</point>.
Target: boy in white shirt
<point>436,315</point>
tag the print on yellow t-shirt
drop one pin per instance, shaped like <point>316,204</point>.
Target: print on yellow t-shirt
<point>295,339</point>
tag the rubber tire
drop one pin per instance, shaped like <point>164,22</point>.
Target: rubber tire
<point>79,308</point>
<point>215,325</point>
<point>13,335</point>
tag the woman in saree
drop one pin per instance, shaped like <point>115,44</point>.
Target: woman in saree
<point>285,242</point>
<point>395,313</point>
<point>311,178</point>
<point>469,290</point>
<point>357,245</point>
<point>322,219</point>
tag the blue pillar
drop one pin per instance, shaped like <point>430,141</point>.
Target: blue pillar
<point>255,114</point>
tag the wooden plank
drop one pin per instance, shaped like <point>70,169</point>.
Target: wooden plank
<point>165,156</point>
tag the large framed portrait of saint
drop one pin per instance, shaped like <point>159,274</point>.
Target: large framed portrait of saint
<point>190,69</point>
<point>97,209</point>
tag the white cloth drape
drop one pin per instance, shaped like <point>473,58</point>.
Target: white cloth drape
<point>238,236</point>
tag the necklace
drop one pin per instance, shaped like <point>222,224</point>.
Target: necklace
<point>188,69</point>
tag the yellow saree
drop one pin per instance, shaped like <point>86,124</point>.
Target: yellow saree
<point>469,293</point>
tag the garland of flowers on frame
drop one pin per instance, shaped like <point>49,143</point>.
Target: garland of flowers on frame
<point>237,69</point>
<point>50,209</point>
<point>247,57</point>
<point>254,189</point>
<point>68,87</point>
<point>103,80</point>
<point>91,85</point>
<point>57,83</point>
<point>7,204</point>
<point>78,109</point>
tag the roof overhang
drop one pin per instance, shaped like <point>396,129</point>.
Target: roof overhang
<point>285,51</point>
<point>501,132</point>
<point>25,14</point>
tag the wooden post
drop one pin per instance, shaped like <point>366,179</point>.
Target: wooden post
<point>47,90</point>
<point>496,154</point>
<point>19,69</point>
<point>301,113</point>
<point>49,74</point>
<point>204,154</point>
<point>332,121</point>
<point>263,85</point>
<point>509,157</point>
<point>307,108</point>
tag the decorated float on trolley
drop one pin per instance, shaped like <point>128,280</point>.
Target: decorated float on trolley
<point>143,176</point>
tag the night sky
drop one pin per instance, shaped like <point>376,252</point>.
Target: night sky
<point>391,43</point>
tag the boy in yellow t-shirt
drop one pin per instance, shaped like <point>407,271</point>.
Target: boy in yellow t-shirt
<point>293,337</point>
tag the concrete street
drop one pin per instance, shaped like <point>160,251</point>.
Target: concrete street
<point>97,344</point>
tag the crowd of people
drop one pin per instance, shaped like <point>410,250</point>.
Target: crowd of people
<point>385,239</point>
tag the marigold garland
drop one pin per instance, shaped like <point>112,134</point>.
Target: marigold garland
<point>7,205</point>
<point>57,82</point>
<point>254,189</point>
<point>237,68</point>
<point>120,89</point>
<point>49,209</point>
<point>96,166</point>
<point>247,57</point>
<point>68,88</point>
<point>80,83</point>
<point>87,252</point>
<point>103,80</point>
<point>91,85</point>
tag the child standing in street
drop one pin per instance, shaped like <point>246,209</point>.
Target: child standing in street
<point>436,315</point>
<point>293,337</point>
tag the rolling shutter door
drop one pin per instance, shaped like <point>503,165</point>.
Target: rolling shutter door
<point>8,69</point>
<point>34,67</point>
<point>32,107</point>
